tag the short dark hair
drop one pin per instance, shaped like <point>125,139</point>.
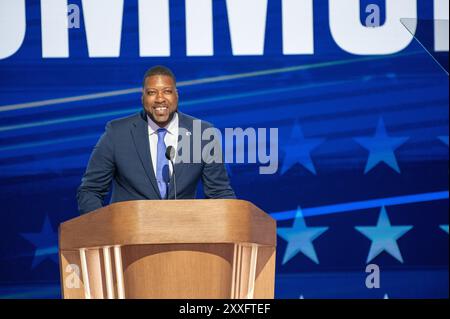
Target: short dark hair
<point>158,70</point>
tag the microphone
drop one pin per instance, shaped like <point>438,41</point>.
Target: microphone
<point>170,155</point>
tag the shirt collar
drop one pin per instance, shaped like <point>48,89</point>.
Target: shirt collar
<point>170,127</point>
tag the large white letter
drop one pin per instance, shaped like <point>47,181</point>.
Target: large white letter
<point>441,25</point>
<point>298,28</point>
<point>353,37</point>
<point>54,29</point>
<point>199,28</point>
<point>103,24</point>
<point>12,26</point>
<point>154,28</point>
<point>247,21</point>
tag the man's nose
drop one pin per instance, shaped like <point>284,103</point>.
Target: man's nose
<point>159,96</point>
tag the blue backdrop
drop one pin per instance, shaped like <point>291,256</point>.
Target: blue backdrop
<point>363,149</point>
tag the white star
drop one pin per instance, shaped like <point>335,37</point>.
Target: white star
<point>384,237</point>
<point>299,238</point>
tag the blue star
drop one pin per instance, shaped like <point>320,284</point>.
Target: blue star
<point>444,228</point>
<point>45,243</point>
<point>384,237</point>
<point>299,238</point>
<point>444,139</point>
<point>298,149</point>
<point>381,148</point>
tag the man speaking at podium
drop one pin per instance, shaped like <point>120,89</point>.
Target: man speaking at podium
<point>135,154</point>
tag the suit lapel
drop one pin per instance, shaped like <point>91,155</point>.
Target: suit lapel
<point>139,131</point>
<point>186,124</point>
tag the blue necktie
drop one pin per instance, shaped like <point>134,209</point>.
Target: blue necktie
<point>162,164</point>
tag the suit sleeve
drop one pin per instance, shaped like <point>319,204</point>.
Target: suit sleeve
<point>96,181</point>
<point>216,183</point>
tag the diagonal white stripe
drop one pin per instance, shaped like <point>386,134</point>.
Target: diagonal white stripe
<point>220,78</point>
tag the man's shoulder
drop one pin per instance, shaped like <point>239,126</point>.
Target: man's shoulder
<point>188,119</point>
<point>125,122</point>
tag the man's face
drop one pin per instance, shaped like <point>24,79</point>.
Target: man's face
<point>160,98</point>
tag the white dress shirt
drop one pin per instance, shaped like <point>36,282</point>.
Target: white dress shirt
<point>171,138</point>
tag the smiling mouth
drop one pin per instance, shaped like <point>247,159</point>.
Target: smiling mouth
<point>161,108</point>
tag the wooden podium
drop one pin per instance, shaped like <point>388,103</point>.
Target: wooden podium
<point>169,249</point>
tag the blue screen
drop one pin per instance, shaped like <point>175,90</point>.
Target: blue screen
<point>362,174</point>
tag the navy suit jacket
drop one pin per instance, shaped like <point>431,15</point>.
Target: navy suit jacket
<point>122,156</point>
